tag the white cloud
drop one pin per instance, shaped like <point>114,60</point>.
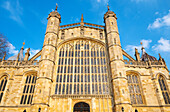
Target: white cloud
<point>160,22</point>
<point>156,13</point>
<point>131,48</point>
<point>14,9</point>
<point>163,45</point>
<point>12,49</point>
<point>32,51</point>
<point>138,0</point>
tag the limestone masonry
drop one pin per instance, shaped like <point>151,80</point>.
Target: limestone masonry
<point>82,69</point>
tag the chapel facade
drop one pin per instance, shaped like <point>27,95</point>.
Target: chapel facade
<point>82,69</point>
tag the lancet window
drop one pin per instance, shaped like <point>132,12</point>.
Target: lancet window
<point>164,89</point>
<point>134,89</point>
<point>28,91</point>
<point>3,82</point>
<point>82,68</point>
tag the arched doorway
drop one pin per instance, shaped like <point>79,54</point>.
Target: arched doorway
<point>81,107</point>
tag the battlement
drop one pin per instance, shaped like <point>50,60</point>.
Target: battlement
<point>14,63</point>
<point>84,24</point>
<point>144,64</point>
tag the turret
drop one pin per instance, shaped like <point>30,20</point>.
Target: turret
<point>137,55</point>
<point>27,54</point>
<point>115,59</point>
<point>47,62</point>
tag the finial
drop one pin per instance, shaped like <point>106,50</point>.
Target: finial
<point>160,56</point>
<point>23,44</point>
<point>82,19</point>
<point>56,7</point>
<point>4,56</point>
<point>136,50</point>
<point>142,45</point>
<point>108,7</point>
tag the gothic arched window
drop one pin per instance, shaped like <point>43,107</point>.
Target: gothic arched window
<point>164,89</point>
<point>3,82</point>
<point>134,89</point>
<point>28,89</point>
<point>81,68</point>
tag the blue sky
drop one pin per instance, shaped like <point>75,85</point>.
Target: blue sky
<point>138,20</point>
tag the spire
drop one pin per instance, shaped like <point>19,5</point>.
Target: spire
<point>143,49</point>
<point>27,54</point>
<point>4,57</point>
<point>137,55</point>
<point>23,45</point>
<point>56,7</point>
<point>108,7</point>
<point>82,19</point>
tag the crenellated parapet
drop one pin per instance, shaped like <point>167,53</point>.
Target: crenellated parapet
<point>14,63</point>
<point>144,64</point>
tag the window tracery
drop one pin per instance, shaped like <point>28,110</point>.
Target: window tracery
<point>3,83</point>
<point>134,89</point>
<point>164,89</point>
<point>81,68</point>
<point>28,91</point>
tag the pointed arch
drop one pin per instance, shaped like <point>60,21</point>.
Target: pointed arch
<point>29,87</point>
<point>136,94</point>
<point>164,89</point>
<point>82,69</point>
<point>3,83</point>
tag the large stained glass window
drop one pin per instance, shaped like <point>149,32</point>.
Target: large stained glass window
<point>82,68</point>
<point>134,89</point>
<point>3,82</point>
<point>28,90</point>
<point>164,89</point>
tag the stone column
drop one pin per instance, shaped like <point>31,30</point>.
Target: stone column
<point>44,78</point>
<point>117,69</point>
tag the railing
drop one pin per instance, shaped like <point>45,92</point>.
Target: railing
<point>79,24</point>
<point>144,63</point>
<point>93,25</point>
<point>14,63</point>
<point>69,26</point>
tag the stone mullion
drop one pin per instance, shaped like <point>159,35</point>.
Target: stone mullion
<point>58,72</point>
<point>67,72</point>
<point>74,50</point>
<point>163,90</point>
<point>62,74</point>
<point>101,74</point>
<point>81,65</point>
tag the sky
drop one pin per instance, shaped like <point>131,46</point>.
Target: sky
<point>146,21</point>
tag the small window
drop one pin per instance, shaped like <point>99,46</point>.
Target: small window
<point>134,86</point>
<point>28,91</point>
<point>101,35</point>
<point>3,82</point>
<point>164,89</point>
<point>122,109</point>
<point>62,34</point>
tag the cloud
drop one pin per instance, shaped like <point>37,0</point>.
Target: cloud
<point>99,2</point>
<point>138,0</point>
<point>156,13</point>
<point>32,51</point>
<point>131,48</point>
<point>163,45</point>
<point>12,49</point>
<point>160,22</point>
<point>15,10</point>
